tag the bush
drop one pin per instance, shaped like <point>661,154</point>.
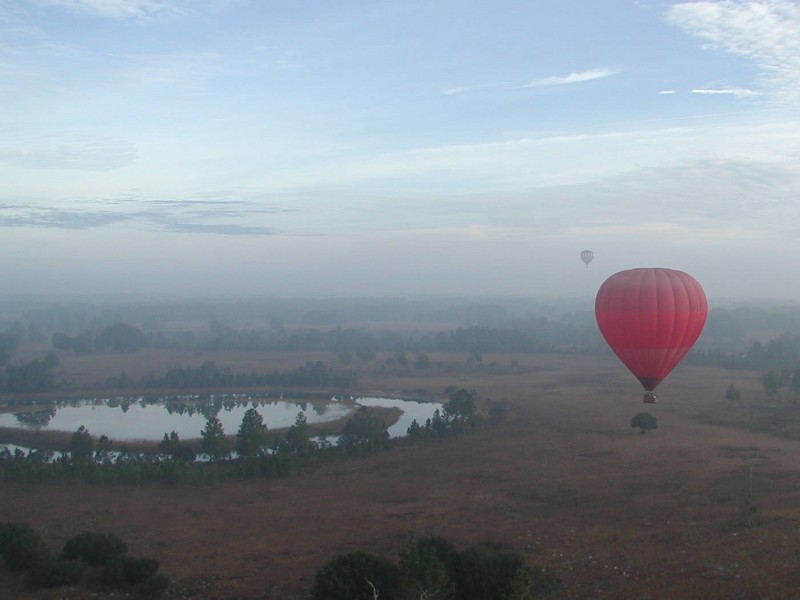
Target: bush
<point>25,551</point>
<point>154,587</point>
<point>10,531</point>
<point>489,572</point>
<point>363,433</point>
<point>53,572</point>
<point>644,421</point>
<point>433,568</point>
<point>424,574</point>
<point>94,548</point>
<point>443,549</point>
<point>129,570</point>
<point>348,577</point>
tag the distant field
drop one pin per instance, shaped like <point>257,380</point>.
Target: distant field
<point>561,477</point>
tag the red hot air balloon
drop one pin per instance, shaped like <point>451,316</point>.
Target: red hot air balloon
<point>651,318</point>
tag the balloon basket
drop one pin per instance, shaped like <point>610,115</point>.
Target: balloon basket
<point>650,398</point>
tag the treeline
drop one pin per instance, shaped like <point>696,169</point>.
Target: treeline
<point>37,376</point>
<point>433,568</point>
<point>540,335</point>
<point>209,375</point>
<point>72,318</point>
<point>779,359</point>
<point>253,452</point>
<point>782,352</point>
<point>33,376</point>
<point>566,324</point>
<point>527,338</point>
<point>723,339</point>
<point>117,337</point>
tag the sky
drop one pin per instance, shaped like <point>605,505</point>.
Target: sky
<point>188,148</point>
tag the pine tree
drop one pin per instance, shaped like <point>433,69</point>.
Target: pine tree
<point>252,434</point>
<point>214,443</point>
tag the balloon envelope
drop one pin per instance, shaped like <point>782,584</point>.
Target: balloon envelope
<point>587,256</point>
<point>651,318</point>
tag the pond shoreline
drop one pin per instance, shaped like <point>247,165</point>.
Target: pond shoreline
<point>58,440</point>
<point>12,402</point>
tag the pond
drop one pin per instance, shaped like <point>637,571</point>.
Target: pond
<point>129,419</point>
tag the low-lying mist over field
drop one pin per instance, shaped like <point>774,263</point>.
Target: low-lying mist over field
<point>359,330</point>
<point>43,316</point>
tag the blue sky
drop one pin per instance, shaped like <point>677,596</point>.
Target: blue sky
<point>251,147</point>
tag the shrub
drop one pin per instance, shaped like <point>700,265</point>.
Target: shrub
<point>154,587</point>
<point>433,568</point>
<point>363,433</point>
<point>9,531</point>
<point>443,549</point>
<point>53,572</point>
<point>25,551</point>
<point>94,548</point>
<point>351,577</point>
<point>129,570</point>
<point>644,421</point>
<point>489,572</point>
<point>424,574</point>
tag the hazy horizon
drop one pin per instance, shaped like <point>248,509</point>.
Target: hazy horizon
<point>221,148</point>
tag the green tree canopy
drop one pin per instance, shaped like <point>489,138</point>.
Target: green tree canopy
<point>81,447</point>
<point>364,432</point>
<point>297,436</point>
<point>357,576</point>
<point>34,376</point>
<point>172,446</point>
<point>644,421</point>
<point>424,574</point>
<point>213,439</point>
<point>252,435</point>
<point>773,382</point>
<point>460,411</point>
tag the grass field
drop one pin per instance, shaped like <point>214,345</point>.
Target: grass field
<point>707,506</point>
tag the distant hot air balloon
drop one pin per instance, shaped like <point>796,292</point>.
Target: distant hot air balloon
<point>587,256</point>
<point>651,318</point>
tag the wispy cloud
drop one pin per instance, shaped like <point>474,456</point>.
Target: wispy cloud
<point>466,88</point>
<point>12,215</point>
<point>506,163</point>
<point>725,92</point>
<point>116,9</point>
<point>223,217</point>
<point>767,32</point>
<point>666,92</point>
<point>580,77</point>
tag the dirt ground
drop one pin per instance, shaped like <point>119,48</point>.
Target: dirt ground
<point>560,477</point>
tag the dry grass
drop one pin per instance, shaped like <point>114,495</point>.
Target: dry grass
<point>560,477</point>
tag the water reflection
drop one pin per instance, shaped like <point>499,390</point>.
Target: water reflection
<point>421,411</point>
<point>140,418</point>
<point>36,419</point>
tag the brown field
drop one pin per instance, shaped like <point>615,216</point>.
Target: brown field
<point>560,477</point>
